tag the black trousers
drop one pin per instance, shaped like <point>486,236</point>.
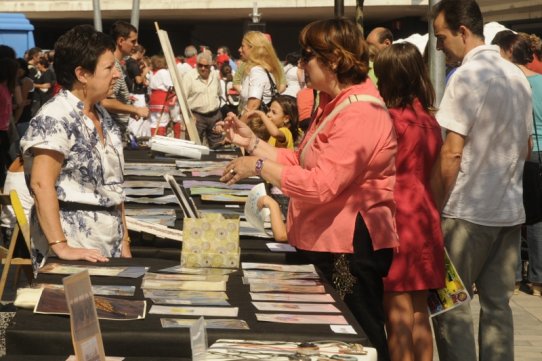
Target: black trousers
<point>368,267</point>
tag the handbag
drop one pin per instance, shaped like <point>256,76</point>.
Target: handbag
<point>532,187</point>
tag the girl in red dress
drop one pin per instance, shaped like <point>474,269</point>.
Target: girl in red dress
<point>419,264</point>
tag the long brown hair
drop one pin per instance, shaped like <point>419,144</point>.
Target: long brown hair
<point>403,77</point>
<point>338,42</point>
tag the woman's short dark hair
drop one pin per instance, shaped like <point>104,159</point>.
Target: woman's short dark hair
<point>403,77</point>
<point>79,46</point>
<point>339,44</point>
<point>461,12</point>
<point>8,72</point>
<point>292,58</point>
<point>520,45</point>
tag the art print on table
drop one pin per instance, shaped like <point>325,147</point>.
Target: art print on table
<point>183,285</point>
<point>296,307</point>
<point>279,267</point>
<point>292,297</point>
<point>64,269</point>
<point>298,318</point>
<point>53,301</point>
<point>214,323</point>
<point>101,290</point>
<point>282,282</point>
<point>280,275</point>
<point>186,277</point>
<point>195,311</point>
<point>198,271</point>
<point>152,293</point>
<point>270,287</point>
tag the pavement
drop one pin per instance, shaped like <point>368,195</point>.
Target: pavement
<point>527,311</point>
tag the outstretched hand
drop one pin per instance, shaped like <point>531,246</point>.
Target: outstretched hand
<point>237,132</point>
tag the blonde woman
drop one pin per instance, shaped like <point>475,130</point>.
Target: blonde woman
<point>262,72</point>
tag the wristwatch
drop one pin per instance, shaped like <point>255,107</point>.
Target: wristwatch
<point>259,167</point>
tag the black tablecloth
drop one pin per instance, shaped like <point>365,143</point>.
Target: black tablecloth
<point>37,334</point>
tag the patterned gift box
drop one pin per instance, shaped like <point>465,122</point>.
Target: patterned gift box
<point>211,241</point>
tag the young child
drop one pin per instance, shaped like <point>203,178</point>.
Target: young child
<point>277,224</point>
<point>162,100</point>
<point>280,121</point>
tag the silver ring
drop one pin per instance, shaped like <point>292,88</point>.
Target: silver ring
<point>232,171</point>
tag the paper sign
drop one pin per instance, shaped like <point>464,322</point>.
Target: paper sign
<point>198,340</point>
<point>255,216</point>
<point>85,329</point>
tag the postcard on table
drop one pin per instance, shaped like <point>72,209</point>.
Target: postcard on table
<point>150,293</point>
<point>102,290</point>
<point>128,272</point>
<point>292,297</point>
<point>194,311</point>
<point>297,318</point>
<point>195,301</point>
<point>279,267</point>
<point>269,287</point>
<point>53,301</point>
<point>186,277</point>
<point>85,328</point>
<point>296,307</point>
<point>216,323</point>
<point>184,285</point>
<point>281,282</point>
<point>198,271</point>
<point>280,247</point>
<point>275,275</point>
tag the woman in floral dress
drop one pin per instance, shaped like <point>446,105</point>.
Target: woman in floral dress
<point>73,155</point>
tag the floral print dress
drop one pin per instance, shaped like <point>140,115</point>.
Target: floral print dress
<point>91,174</point>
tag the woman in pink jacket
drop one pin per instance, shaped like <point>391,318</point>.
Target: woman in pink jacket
<point>340,181</point>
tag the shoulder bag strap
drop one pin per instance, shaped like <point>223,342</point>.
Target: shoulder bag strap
<point>354,98</point>
<point>274,90</point>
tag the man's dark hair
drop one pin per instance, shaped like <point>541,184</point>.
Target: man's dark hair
<point>461,12</point>
<point>122,29</point>
<point>33,51</point>
<point>384,35</point>
<point>80,46</point>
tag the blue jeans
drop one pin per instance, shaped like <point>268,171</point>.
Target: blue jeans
<point>534,248</point>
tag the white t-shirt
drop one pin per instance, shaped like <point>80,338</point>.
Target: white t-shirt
<point>488,100</point>
<point>161,80</point>
<point>256,85</point>
<point>16,181</point>
<point>292,82</point>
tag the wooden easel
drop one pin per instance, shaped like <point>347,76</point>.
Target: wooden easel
<point>21,227</point>
<point>188,117</point>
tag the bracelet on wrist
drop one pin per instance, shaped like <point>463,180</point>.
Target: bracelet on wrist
<point>127,240</point>
<point>57,242</point>
<point>259,167</point>
<point>253,148</point>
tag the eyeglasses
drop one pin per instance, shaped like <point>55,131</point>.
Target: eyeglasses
<point>306,55</point>
<point>203,66</point>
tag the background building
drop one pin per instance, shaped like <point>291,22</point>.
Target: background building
<point>222,22</point>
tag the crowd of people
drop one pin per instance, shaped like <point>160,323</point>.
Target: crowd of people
<point>380,180</point>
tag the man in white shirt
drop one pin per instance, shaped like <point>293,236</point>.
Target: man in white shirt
<point>487,114</point>
<point>201,87</point>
